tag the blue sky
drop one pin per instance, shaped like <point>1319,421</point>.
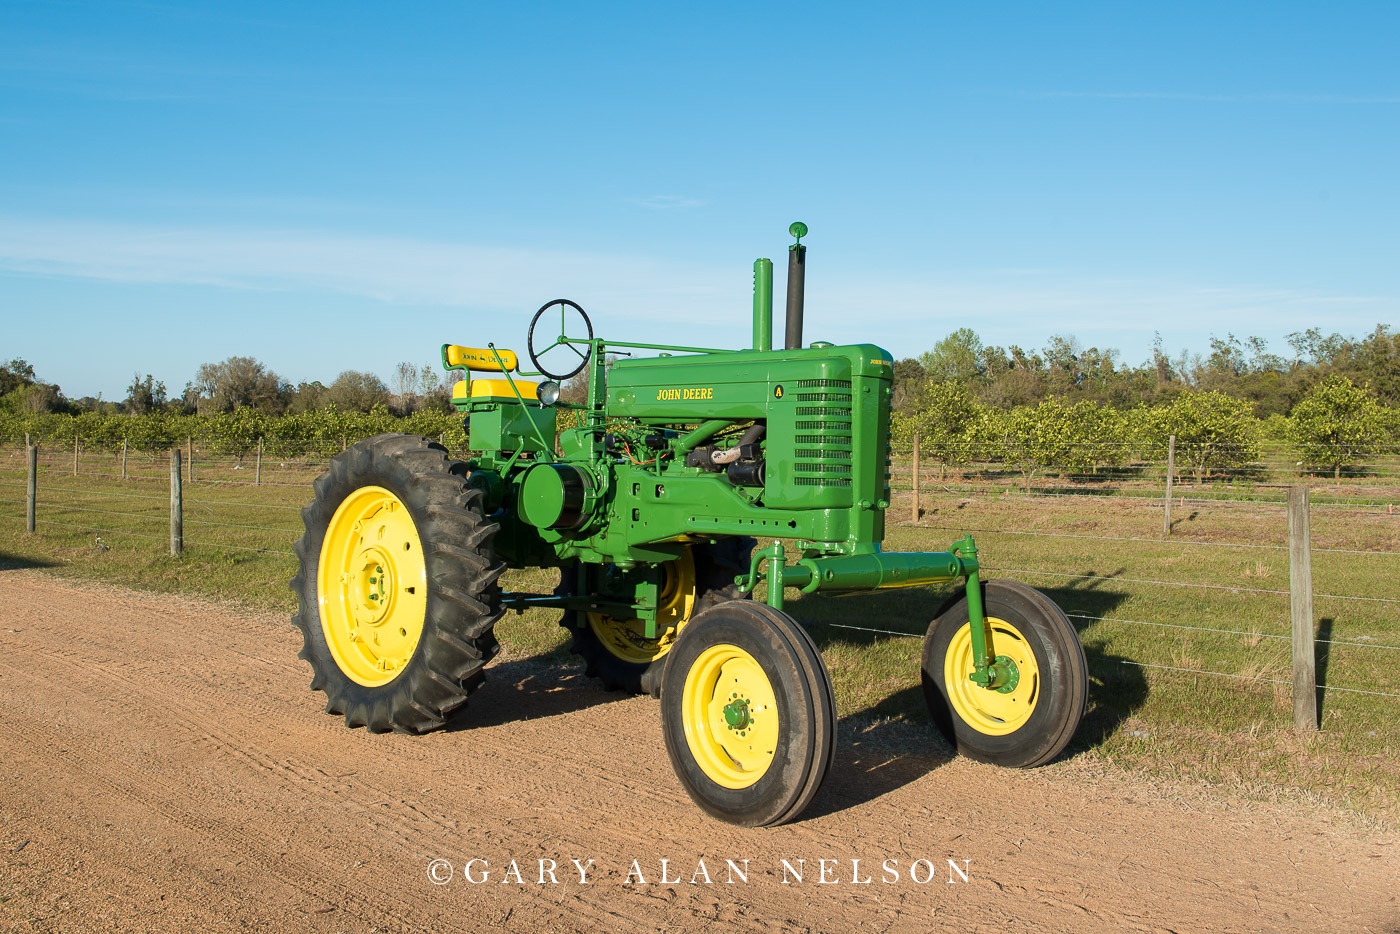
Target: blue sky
<point>331,186</point>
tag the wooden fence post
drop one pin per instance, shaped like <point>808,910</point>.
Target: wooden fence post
<point>1171,469</point>
<point>342,444</point>
<point>177,521</point>
<point>123,458</point>
<point>257,475</point>
<point>916,509</point>
<point>189,441</point>
<point>31,485</point>
<point>1301,610</point>
<point>75,454</point>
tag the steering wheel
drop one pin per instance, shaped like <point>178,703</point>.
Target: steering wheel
<point>562,341</point>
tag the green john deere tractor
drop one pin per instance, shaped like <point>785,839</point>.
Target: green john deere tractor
<point>651,507</point>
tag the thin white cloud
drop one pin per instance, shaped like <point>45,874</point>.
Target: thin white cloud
<point>1222,98</point>
<point>394,270</point>
<point>677,300</point>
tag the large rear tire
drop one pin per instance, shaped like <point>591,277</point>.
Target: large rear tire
<point>397,585</point>
<point>1020,725</point>
<point>617,651</point>
<point>748,714</point>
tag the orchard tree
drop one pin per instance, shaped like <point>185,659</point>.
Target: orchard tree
<point>1213,431</point>
<point>1094,435</point>
<point>1026,438</point>
<point>1335,424</point>
<point>944,417</point>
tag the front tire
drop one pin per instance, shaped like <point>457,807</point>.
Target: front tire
<point>748,714</point>
<point>397,585</point>
<point>1022,725</point>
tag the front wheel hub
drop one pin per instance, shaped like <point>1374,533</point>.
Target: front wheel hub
<point>1006,702</point>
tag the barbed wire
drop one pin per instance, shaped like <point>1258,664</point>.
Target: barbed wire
<point>887,632</point>
<point>186,543</point>
<point>1226,674</point>
<point>105,512</point>
<point>1149,541</point>
<point>92,528</point>
<point>62,489</point>
<point>271,551</point>
<point>230,502</point>
<point>1233,632</point>
<point>1135,580</point>
<point>1152,500</point>
<point>234,525</point>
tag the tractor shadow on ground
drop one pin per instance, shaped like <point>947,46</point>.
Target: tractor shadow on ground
<point>1117,687</point>
<point>894,742</point>
<point>530,689</point>
<point>11,562</point>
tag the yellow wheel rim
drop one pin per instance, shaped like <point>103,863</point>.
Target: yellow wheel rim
<point>627,638</point>
<point>730,716</point>
<point>986,710</point>
<point>372,585</point>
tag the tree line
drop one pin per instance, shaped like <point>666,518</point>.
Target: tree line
<point>1063,369</point>
<point>1335,426</point>
<point>233,384</point>
<point>1334,401</point>
<point>234,433</point>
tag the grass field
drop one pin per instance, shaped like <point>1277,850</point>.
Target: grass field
<point>1187,637</point>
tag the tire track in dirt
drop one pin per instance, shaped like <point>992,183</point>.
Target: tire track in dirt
<point>191,778</point>
<point>137,784</point>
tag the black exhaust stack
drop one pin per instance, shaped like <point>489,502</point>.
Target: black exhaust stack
<point>796,286</point>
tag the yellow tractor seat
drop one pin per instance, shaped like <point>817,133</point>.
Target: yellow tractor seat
<point>493,389</point>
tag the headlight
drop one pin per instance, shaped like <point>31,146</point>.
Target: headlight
<point>548,392</point>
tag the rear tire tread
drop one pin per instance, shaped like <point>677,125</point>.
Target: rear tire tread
<point>463,601</point>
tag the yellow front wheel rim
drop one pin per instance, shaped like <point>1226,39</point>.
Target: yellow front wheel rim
<point>987,710</point>
<point>627,638</point>
<point>730,716</point>
<point>372,586</point>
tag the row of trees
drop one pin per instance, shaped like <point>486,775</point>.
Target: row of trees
<point>1271,383</point>
<point>1335,425</point>
<point>244,382</point>
<point>232,384</point>
<point>1000,377</point>
<point>231,433</point>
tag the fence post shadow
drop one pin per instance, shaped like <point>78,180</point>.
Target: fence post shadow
<point>1322,654</point>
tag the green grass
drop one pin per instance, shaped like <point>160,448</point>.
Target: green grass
<point>1097,557</point>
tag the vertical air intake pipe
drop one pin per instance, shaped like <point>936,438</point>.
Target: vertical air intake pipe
<point>796,286</point>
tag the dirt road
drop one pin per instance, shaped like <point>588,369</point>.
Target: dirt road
<point>163,767</point>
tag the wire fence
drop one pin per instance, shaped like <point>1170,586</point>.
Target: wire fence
<point>232,505</point>
<point>1368,479</point>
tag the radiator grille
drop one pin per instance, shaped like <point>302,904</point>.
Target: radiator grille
<point>824,452</point>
